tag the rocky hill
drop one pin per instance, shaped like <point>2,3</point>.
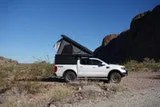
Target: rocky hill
<point>4,60</point>
<point>108,38</point>
<point>140,41</point>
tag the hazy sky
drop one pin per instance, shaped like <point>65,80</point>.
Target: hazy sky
<point>29,28</point>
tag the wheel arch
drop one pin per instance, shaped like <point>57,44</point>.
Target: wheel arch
<point>114,70</point>
<point>69,70</point>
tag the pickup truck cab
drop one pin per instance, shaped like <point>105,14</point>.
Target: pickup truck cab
<point>90,68</point>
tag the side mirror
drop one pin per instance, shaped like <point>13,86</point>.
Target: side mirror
<point>102,64</point>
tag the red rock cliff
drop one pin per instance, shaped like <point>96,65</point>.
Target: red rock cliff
<point>140,41</point>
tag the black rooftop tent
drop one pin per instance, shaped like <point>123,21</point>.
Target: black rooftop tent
<point>69,50</point>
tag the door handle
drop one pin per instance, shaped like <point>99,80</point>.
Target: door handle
<point>107,67</point>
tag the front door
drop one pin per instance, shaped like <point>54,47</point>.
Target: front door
<point>91,68</point>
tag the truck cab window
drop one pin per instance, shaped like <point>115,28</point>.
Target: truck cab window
<point>96,62</point>
<point>85,62</point>
<point>90,62</point>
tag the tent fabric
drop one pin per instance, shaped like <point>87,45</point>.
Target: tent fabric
<point>71,47</point>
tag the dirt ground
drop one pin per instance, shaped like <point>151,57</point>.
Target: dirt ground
<point>143,91</point>
<point>138,89</point>
<point>141,80</point>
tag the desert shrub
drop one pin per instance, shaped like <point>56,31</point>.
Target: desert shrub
<point>146,65</point>
<point>151,64</point>
<point>6,77</point>
<point>7,68</point>
<point>35,71</point>
<point>10,73</point>
<point>2,83</point>
<point>113,88</point>
<point>2,76</point>
<point>40,70</point>
<point>60,92</point>
<point>6,82</point>
<point>28,87</point>
<point>22,94</point>
<point>21,72</point>
<point>32,87</point>
<point>134,66</point>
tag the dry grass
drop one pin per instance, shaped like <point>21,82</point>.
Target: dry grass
<point>60,92</point>
<point>20,85</point>
<point>6,80</point>
<point>29,87</point>
<point>12,91</point>
<point>35,71</point>
<point>10,73</point>
<point>33,94</point>
<point>113,88</point>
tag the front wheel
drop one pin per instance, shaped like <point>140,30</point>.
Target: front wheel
<point>115,77</point>
<point>70,76</point>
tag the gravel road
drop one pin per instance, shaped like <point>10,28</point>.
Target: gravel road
<point>144,91</point>
<point>143,98</point>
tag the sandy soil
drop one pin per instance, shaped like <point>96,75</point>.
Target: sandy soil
<point>143,91</point>
<point>138,89</point>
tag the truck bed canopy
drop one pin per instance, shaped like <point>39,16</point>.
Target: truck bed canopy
<point>67,46</point>
<point>68,51</point>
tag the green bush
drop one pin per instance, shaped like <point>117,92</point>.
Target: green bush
<point>146,65</point>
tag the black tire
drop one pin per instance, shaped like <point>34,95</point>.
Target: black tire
<point>115,77</point>
<point>70,76</point>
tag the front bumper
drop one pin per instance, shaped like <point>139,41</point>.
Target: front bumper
<point>125,74</point>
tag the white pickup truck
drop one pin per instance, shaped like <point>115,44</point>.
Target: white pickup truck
<point>90,68</point>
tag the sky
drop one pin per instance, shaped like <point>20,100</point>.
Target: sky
<point>30,28</point>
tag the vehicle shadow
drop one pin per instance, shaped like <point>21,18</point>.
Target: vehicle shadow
<point>52,79</point>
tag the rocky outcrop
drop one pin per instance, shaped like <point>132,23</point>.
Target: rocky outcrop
<point>108,38</point>
<point>140,41</point>
<point>4,60</point>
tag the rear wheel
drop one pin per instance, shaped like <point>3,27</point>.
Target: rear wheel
<point>70,76</point>
<point>115,77</point>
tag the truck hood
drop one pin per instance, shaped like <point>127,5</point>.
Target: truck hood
<point>116,66</point>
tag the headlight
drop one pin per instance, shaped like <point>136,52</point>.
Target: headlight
<point>123,68</point>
